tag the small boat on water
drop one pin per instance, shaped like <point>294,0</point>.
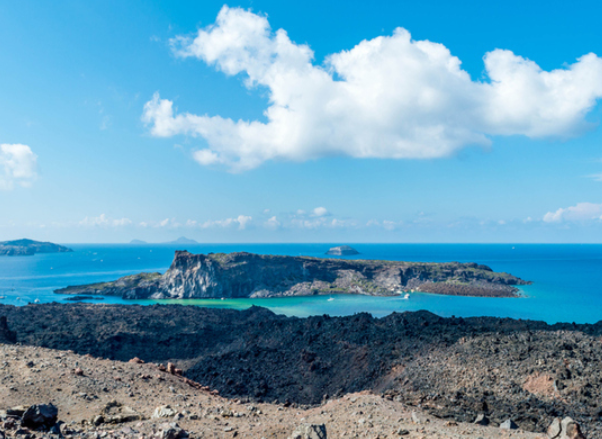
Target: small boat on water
<point>330,299</point>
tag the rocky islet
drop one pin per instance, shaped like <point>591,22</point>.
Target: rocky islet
<point>241,275</point>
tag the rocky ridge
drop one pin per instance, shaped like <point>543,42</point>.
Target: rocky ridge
<point>56,394</point>
<point>455,369</point>
<point>239,275</point>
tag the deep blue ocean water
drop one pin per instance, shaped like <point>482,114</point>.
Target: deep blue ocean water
<point>567,279</point>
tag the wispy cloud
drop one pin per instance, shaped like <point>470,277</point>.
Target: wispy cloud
<point>578,212</point>
<point>104,221</point>
<point>241,222</point>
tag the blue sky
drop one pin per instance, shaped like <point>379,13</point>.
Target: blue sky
<point>388,144</point>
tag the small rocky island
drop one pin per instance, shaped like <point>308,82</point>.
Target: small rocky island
<point>244,275</point>
<point>28,247</point>
<point>342,250</point>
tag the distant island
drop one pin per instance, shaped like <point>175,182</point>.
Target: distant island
<point>240,275</point>
<point>138,242</point>
<point>28,247</point>
<point>182,240</point>
<point>342,250</point>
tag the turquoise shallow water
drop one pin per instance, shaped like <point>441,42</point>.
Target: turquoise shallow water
<point>566,278</point>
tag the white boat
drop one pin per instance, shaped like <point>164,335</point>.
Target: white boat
<point>331,299</point>
<point>407,296</point>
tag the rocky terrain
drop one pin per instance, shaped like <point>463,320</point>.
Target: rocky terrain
<point>237,275</point>
<point>27,247</point>
<point>453,369</point>
<point>48,393</point>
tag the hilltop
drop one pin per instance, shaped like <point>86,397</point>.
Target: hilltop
<point>28,247</point>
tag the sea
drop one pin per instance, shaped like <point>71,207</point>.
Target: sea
<point>567,278</point>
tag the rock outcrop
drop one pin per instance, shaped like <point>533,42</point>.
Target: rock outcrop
<point>27,247</point>
<point>239,275</point>
<point>342,250</point>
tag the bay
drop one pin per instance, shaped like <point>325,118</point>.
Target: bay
<point>566,278</point>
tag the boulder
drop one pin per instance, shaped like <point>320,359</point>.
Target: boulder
<point>309,431</point>
<point>508,424</point>
<point>570,429</point>
<point>16,411</point>
<point>163,411</point>
<point>481,420</point>
<point>419,418</point>
<point>40,415</point>
<point>554,429</point>
<point>171,431</point>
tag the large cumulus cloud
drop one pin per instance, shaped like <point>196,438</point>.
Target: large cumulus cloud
<point>389,97</point>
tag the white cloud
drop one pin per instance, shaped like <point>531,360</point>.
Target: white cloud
<point>272,223</point>
<point>241,221</point>
<point>18,165</point>
<point>171,223</point>
<point>320,211</point>
<point>389,97</point>
<point>385,224</point>
<point>579,212</point>
<point>104,221</point>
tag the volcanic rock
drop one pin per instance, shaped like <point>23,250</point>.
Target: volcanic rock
<point>6,335</point>
<point>309,431</point>
<point>40,414</point>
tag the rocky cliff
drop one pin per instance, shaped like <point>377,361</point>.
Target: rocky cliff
<point>240,275</point>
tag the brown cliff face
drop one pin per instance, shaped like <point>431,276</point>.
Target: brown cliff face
<point>240,275</point>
